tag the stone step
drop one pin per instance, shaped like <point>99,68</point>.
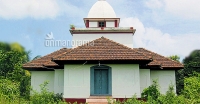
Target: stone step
<point>96,100</point>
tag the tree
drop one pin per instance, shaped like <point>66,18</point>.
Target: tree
<point>36,57</point>
<point>175,58</point>
<point>191,65</point>
<point>12,56</point>
<point>193,57</point>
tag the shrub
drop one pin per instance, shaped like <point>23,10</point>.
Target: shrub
<point>152,91</point>
<point>192,88</point>
<point>132,100</point>
<point>45,97</point>
<point>9,89</point>
<point>170,97</point>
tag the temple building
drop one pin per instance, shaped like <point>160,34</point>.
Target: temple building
<point>107,66</point>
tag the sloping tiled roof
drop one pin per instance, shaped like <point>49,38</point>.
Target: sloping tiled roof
<point>102,49</point>
<point>159,60</point>
<point>45,61</point>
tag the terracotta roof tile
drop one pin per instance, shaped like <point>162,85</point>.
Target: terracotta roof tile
<point>160,60</point>
<point>102,49</point>
<point>44,61</point>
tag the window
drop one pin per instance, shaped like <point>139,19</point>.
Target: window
<point>101,24</point>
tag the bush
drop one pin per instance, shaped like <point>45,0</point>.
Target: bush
<point>170,97</point>
<point>45,97</point>
<point>192,88</point>
<point>132,100</point>
<point>9,89</point>
<point>10,94</point>
<point>152,91</point>
<point>152,95</point>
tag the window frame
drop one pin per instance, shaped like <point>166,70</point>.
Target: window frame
<point>102,23</point>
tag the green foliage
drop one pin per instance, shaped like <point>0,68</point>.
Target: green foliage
<point>175,58</point>
<point>44,96</point>
<point>11,63</point>
<point>179,81</point>
<point>72,26</point>
<point>192,88</point>
<point>12,56</point>
<point>25,85</point>
<point>193,57</point>
<point>152,91</point>
<point>10,94</point>
<point>132,100</point>
<point>9,88</point>
<point>191,65</point>
<point>191,94</point>
<point>37,57</point>
<point>170,97</point>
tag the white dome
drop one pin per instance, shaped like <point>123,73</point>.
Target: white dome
<point>101,9</point>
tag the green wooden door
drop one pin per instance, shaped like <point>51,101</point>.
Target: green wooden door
<point>101,81</point>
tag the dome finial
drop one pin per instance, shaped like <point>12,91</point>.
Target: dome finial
<point>101,9</point>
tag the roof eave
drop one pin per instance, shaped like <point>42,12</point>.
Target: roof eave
<point>109,30</point>
<point>62,62</point>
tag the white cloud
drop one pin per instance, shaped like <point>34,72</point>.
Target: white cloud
<point>37,9</point>
<point>28,8</point>
<point>154,3</point>
<point>72,10</point>
<point>162,43</point>
<point>186,9</point>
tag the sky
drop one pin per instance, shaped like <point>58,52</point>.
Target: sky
<point>167,27</point>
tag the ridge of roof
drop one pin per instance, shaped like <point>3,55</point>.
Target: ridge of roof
<point>108,49</point>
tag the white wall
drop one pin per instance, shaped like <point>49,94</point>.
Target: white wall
<point>125,81</point>
<point>144,79</point>
<point>110,24</point>
<point>165,78</point>
<point>59,81</point>
<point>39,77</point>
<point>93,24</point>
<point>77,81</point>
<point>123,38</point>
